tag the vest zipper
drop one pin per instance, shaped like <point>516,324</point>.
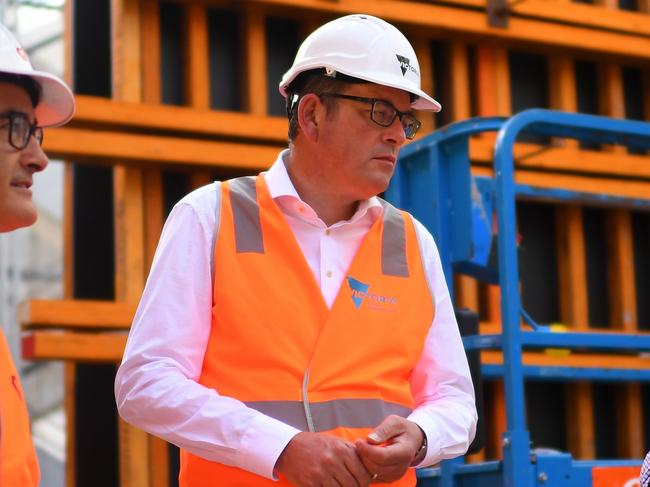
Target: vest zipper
<point>305,403</point>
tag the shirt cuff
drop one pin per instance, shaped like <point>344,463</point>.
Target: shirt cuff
<point>262,443</point>
<point>431,430</point>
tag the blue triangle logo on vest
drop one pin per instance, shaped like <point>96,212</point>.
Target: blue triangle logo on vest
<point>359,290</point>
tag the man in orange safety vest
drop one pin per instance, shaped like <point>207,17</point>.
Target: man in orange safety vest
<point>29,101</point>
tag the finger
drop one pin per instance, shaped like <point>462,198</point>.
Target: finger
<point>357,468</point>
<point>345,478</point>
<point>376,457</point>
<point>387,429</point>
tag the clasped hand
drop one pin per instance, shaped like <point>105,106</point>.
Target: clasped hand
<point>317,459</point>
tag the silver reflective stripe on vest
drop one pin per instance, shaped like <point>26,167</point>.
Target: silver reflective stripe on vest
<point>217,223</point>
<point>246,215</point>
<point>345,413</point>
<point>393,243</point>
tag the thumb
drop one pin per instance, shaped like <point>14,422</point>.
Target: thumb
<point>389,428</point>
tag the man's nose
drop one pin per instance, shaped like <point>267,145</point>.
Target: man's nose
<point>33,156</point>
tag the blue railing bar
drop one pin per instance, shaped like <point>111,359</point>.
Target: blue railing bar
<point>463,129</point>
<point>548,373</point>
<point>609,463</point>
<point>528,319</point>
<point>601,341</point>
<point>462,469</point>
<point>538,339</point>
<point>482,342</point>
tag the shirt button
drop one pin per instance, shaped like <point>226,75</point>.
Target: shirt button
<point>327,232</point>
<point>329,274</point>
<point>301,209</point>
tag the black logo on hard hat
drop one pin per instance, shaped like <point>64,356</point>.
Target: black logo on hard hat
<point>405,65</point>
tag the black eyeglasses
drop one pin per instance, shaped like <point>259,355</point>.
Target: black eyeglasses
<point>21,129</point>
<point>383,113</point>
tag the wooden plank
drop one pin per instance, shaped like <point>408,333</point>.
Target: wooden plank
<point>94,111</point>
<point>574,311</point>
<point>590,361</point>
<point>572,273</point>
<point>150,28</point>
<point>452,20</point>
<point>621,285</point>
<point>126,52</point>
<point>496,426</point>
<point>81,314</point>
<point>69,404</point>
<point>586,15</point>
<point>69,369</point>
<point>460,90</point>
<point>159,462</point>
<point>128,217</point>
<point>621,270</point>
<point>136,149</point>
<point>569,160</point>
<point>422,47</point>
<point>197,73</point>
<point>562,87</point>
<point>153,199</point>
<point>153,209</point>
<point>467,292</point>
<point>503,91</point>
<point>256,101</point>
<point>129,234</point>
<point>68,230</point>
<point>610,89</point>
<point>486,90</point>
<point>78,347</point>
<point>613,187</point>
<point>152,177</point>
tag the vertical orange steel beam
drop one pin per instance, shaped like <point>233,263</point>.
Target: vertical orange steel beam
<point>493,98</point>
<point>255,69</point>
<point>422,46</point>
<point>153,195</point>
<point>574,311</point>
<point>460,95</point>
<point>197,74</point>
<point>624,317</point>
<point>68,258</point>
<point>621,276</point>
<point>572,274</point>
<point>129,216</point>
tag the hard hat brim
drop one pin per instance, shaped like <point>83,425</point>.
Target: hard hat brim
<point>56,105</point>
<point>422,102</point>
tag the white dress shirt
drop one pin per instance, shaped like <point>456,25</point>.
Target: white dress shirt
<point>156,386</point>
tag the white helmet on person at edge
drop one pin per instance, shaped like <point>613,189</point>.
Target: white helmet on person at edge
<point>364,47</point>
<point>56,104</point>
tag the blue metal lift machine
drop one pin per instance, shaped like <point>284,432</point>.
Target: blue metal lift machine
<point>433,182</point>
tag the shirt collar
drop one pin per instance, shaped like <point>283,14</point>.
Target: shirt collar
<point>285,195</point>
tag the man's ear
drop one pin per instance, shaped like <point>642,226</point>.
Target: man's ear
<point>310,112</point>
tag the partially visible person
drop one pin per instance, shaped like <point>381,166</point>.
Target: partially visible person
<point>29,101</point>
<point>296,329</point>
<point>644,479</point>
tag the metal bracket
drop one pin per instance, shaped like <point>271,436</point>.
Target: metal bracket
<point>498,12</point>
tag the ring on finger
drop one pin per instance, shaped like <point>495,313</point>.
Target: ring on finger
<point>374,476</point>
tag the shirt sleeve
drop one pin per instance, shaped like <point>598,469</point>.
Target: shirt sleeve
<point>156,386</point>
<point>442,388</point>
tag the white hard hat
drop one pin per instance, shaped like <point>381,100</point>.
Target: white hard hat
<point>56,104</point>
<point>364,47</point>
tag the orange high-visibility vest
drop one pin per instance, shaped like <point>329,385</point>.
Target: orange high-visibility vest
<point>18,462</point>
<point>276,346</point>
